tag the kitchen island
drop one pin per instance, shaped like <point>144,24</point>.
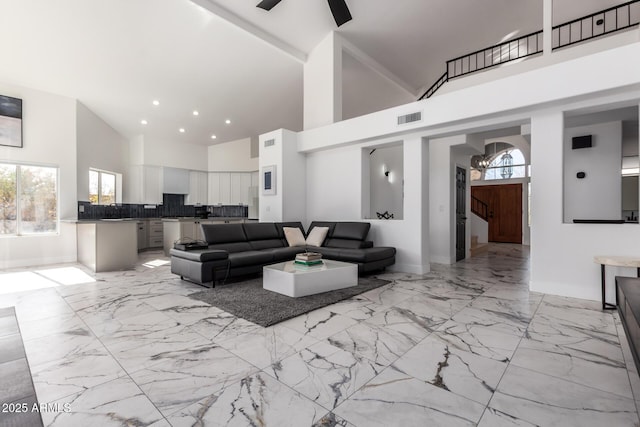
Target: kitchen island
<point>107,245</point>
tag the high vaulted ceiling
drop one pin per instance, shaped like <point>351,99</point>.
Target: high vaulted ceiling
<point>228,59</point>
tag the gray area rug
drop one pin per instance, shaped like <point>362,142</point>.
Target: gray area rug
<point>16,386</point>
<point>248,300</point>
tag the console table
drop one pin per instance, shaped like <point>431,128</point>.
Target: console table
<point>614,261</point>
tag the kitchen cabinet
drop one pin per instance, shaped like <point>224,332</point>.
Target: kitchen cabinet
<point>254,198</point>
<point>245,185</point>
<point>219,188</point>
<point>155,234</point>
<point>198,188</point>
<point>175,181</point>
<point>107,245</point>
<point>240,188</point>
<point>144,185</point>
<point>179,230</point>
<point>142,235</point>
<point>225,188</point>
<point>213,188</point>
<point>230,188</point>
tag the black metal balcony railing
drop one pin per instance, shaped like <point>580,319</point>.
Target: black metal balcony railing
<point>511,50</point>
<point>597,24</point>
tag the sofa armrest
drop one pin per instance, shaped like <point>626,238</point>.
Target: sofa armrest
<point>366,244</point>
<point>202,255</point>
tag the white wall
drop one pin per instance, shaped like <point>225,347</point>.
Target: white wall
<point>562,254</point>
<point>323,83</point>
<point>386,192</point>
<point>175,154</point>
<point>294,180</point>
<point>365,91</point>
<point>503,100</point>
<point>334,182</point>
<point>99,147</point>
<point>136,150</point>
<point>234,156</point>
<point>334,189</point>
<point>49,139</point>
<point>599,194</point>
<point>480,228</point>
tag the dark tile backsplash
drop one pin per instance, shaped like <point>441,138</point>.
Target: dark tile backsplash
<point>172,206</point>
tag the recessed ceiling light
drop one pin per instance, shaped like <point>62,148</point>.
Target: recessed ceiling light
<point>144,122</point>
<point>213,137</point>
<point>228,121</point>
<point>195,112</point>
<point>156,102</point>
<point>181,130</point>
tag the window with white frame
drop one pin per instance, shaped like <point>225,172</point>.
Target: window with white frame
<point>102,187</point>
<point>28,199</point>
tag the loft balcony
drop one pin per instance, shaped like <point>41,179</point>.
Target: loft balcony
<point>596,25</point>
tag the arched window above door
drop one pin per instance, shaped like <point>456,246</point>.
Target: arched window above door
<point>500,161</point>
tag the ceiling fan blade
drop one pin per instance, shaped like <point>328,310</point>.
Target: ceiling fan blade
<point>268,4</point>
<point>340,11</point>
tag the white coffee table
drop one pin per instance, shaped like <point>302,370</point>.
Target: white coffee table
<point>288,279</point>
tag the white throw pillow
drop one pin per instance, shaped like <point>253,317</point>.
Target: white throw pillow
<point>317,235</point>
<point>294,236</point>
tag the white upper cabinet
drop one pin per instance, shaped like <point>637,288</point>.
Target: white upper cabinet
<point>198,188</point>
<point>230,188</point>
<point>214,188</point>
<point>236,188</point>
<point>144,185</point>
<point>245,178</point>
<point>225,188</point>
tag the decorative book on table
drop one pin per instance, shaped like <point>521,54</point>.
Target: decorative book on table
<point>309,256</point>
<point>308,263</point>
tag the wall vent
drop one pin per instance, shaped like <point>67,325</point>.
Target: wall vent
<point>269,142</point>
<point>409,118</point>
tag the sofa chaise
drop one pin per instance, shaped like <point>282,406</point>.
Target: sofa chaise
<point>239,249</point>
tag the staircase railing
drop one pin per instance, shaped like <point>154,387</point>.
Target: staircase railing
<point>597,24</point>
<point>434,87</point>
<point>479,208</point>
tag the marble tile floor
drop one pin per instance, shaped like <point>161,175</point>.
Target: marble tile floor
<point>463,345</point>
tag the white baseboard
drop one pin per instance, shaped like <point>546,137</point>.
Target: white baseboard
<point>409,268</point>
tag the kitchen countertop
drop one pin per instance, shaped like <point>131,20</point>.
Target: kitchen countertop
<point>188,218</point>
<point>104,220</point>
<point>211,218</point>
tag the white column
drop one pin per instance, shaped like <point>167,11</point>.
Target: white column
<point>323,83</point>
<point>547,25</point>
<point>441,190</point>
<point>288,201</point>
<point>547,130</point>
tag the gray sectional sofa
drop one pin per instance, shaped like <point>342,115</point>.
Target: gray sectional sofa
<point>239,249</point>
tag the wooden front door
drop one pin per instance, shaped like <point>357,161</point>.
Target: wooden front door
<point>505,211</point>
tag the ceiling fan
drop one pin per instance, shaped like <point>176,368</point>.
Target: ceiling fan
<point>339,9</point>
